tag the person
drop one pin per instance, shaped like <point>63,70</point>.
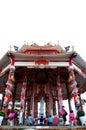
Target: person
<point>16,117</point>
<point>64,114</point>
<point>21,117</point>
<point>11,116</point>
<point>41,120</point>
<point>46,121</point>
<point>72,118</point>
<point>56,120</point>
<point>50,120</point>
<point>29,120</point>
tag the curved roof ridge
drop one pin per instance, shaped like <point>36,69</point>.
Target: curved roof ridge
<point>42,47</point>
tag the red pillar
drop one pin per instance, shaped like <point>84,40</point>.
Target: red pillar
<point>60,98</point>
<point>54,106</point>
<point>36,107</point>
<point>47,105</point>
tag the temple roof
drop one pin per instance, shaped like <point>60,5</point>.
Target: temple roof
<point>59,57</point>
<point>48,46</point>
<point>49,53</point>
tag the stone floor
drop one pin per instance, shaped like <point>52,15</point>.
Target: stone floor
<point>43,128</point>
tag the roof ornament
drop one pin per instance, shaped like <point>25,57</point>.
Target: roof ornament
<point>72,47</point>
<point>16,48</point>
<point>24,41</point>
<point>48,44</point>
<point>34,44</point>
<point>10,47</point>
<point>73,55</point>
<point>9,54</point>
<point>58,42</point>
<point>67,48</point>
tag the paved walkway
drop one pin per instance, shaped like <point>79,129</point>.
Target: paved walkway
<point>43,128</point>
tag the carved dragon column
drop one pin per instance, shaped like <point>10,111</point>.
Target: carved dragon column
<point>10,84</point>
<point>23,94</point>
<point>73,86</point>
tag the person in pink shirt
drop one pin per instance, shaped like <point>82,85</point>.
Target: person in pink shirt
<point>64,114</point>
<point>72,118</point>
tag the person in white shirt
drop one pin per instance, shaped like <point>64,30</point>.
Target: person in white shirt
<point>21,117</point>
<point>29,120</point>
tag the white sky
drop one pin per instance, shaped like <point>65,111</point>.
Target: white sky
<point>43,21</point>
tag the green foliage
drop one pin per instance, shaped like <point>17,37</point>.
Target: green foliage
<point>80,113</point>
<point>2,113</point>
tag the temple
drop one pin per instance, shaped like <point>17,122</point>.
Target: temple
<point>45,74</point>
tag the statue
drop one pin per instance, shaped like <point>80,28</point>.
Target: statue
<point>42,106</point>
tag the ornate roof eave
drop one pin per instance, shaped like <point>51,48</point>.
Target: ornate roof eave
<point>78,61</point>
<point>4,61</point>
